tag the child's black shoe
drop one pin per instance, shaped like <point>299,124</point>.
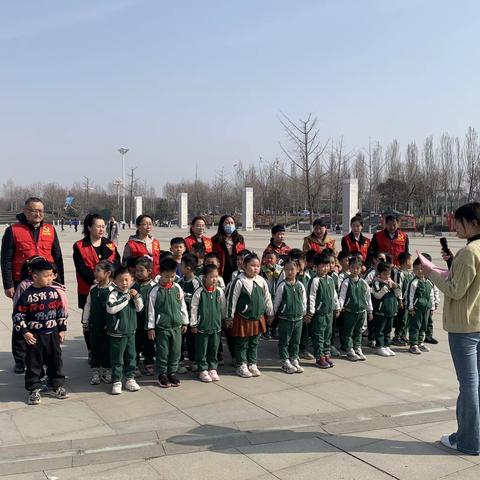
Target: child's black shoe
<point>174,380</point>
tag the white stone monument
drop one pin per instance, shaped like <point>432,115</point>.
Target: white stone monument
<point>183,210</point>
<point>247,208</point>
<point>350,202</point>
<point>138,206</point>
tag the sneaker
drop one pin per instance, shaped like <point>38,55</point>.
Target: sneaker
<point>95,380</point>
<point>390,351</point>
<point>297,365</point>
<point>163,381</point>
<point>174,381</point>
<point>131,385</point>
<point>322,363</point>
<point>287,367</point>
<point>424,348</point>
<point>205,377</point>
<point>399,342</point>
<point>405,339</point>
<point>61,393</point>
<point>193,367</point>
<point>182,370</point>
<point>372,344</point>
<point>34,397</point>
<point>329,361</point>
<point>149,370</point>
<point>106,376</point>
<point>254,370</point>
<point>117,388</point>
<point>19,369</point>
<point>214,375</point>
<point>334,352</point>
<point>243,371</point>
<point>352,356</point>
<point>266,336</point>
<point>445,440</point>
<point>306,355</point>
<point>415,350</point>
<point>137,373</point>
<point>46,384</point>
<point>358,351</point>
<point>431,340</point>
<point>382,351</point>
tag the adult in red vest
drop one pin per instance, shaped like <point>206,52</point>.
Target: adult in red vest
<point>29,237</point>
<point>227,243</point>
<point>87,252</point>
<point>319,239</point>
<point>197,235</point>
<point>389,240</point>
<point>142,244</point>
<point>355,241</point>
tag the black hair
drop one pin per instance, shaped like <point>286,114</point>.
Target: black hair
<point>131,262</point>
<point>106,266</point>
<point>209,269</point>
<point>249,258</point>
<point>321,259</point>
<point>296,254</point>
<point>198,248</point>
<point>310,255</point>
<point>168,265</point>
<point>353,261</point>
<point>328,251</point>
<point>271,252</point>
<point>470,212</point>
<point>221,235</point>
<point>41,266</point>
<point>210,255</point>
<point>145,262</point>
<point>388,258</point>
<point>291,261</point>
<point>357,218</point>
<point>89,221</point>
<point>121,270</point>
<point>190,261</point>
<point>383,267</point>
<point>356,254</point>
<point>391,218</point>
<point>377,255</point>
<point>343,255</point>
<point>165,254</point>
<point>32,200</point>
<point>319,222</point>
<point>140,218</point>
<point>417,262</point>
<point>194,220</point>
<point>177,241</point>
<point>244,253</point>
<point>403,257</point>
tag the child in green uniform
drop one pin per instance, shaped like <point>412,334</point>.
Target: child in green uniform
<point>212,259</point>
<point>248,303</point>
<point>95,317</point>
<point>207,311</point>
<point>310,266</point>
<point>167,319</point>
<point>420,301</point>
<point>290,306</point>
<point>402,276</point>
<point>122,304</point>
<point>386,295</point>
<point>355,299</point>
<point>198,249</point>
<point>143,284</point>
<point>322,307</point>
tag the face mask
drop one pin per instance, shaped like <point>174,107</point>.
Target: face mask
<point>229,228</point>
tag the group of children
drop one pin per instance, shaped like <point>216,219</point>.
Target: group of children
<point>139,325</point>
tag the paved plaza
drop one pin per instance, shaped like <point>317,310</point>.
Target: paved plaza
<point>379,419</point>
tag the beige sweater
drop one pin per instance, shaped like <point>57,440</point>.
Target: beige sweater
<point>461,310</point>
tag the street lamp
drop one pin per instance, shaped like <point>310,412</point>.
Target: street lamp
<point>123,151</point>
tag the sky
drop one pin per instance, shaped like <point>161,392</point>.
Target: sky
<point>203,82</point>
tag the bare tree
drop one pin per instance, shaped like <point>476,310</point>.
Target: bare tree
<point>472,160</point>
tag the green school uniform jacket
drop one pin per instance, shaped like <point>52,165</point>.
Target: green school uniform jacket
<point>336,279</point>
<point>290,301</point>
<point>420,295</point>
<point>322,297</point>
<point>355,296</point>
<point>122,312</point>
<point>94,314</point>
<point>166,307</point>
<point>144,290</point>
<point>385,299</point>
<point>249,298</point>
<point>189,287</point>
<point>208,309</point>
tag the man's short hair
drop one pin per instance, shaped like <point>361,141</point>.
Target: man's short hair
<point>30,200</point>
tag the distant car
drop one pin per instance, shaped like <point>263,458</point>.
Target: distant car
<point>304,213</point>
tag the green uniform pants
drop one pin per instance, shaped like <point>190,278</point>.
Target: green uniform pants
<point>246,349</point>
<point>352,329</point>
<point>206,349</point>
<point>401,323</point>
<point>122,357</point>
<point>382,326</point>
<point>321,327</point>
<point>289,334</point>
<point>168,344</point>
<point>305,337</point>
<point>100,348</point>
<point>429,330</point>
<point>418,326</point>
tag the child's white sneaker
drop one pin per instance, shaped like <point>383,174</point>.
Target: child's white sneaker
<point>287,367</point>
<point>360,354</point>
<point>445,440</point>
<point>214,375</point>
<point>243,371</point>
<point>117,388</point>
<point>254,370</point>
<point>205,377</point>
<point>424,348</point>
<point>297,365</point>
<point>352,356</point>
<point>95,380</point>
<point>131,385</point>
<point>382,351</point>
<point>390,351</point>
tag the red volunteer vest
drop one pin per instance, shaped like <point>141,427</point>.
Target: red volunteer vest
<point>90,258</point>
<point>394,247</point>
<point>139,249</point>
<point>26,246</point>
<point>320,248</point>
<point>191,240</point>
<point>356,247</point>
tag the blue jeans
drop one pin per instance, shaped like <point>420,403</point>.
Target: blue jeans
<point>465,350</point>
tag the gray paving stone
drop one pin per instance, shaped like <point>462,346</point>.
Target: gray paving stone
<point>10,433</point>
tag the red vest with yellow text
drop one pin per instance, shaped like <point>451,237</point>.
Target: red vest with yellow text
<point>320,248</point>
<point>26,246</point>
<point>90,258</point>
<point>191,240</point>
<point>394,247</point>
<point>354,246</point>
<point>139,249</point>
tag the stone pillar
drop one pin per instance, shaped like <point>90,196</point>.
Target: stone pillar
<point>138,206</point>
<point>247,208</point>
<point>183,210</point>
<point>350,202</point>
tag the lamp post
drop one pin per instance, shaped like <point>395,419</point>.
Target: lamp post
<point>123,151</point>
